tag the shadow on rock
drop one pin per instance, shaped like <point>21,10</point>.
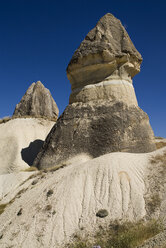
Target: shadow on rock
<point>29,153</point>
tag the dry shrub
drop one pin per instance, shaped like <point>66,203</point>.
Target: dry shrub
<point>158,137</point>
<point>5,119</point>
<point>55,168</point>
<point>159,159</point>
<point>2,207</point>
<point>127,235</point>
<point>31,168</point>
<point>160,144</point>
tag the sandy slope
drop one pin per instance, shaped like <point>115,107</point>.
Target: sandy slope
<point>20,140</point>
<point>11,183</point>
<point>115,182</point>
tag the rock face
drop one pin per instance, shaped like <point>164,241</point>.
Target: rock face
<point>114,182</point>
<point>104,64</point>
<point>21,140</point>
<point>103,115</point>
<point>37,102</point>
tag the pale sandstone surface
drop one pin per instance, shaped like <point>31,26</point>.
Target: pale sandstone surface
<point>21,140</point>
<point>37,102</point>
<point>117,182</point>
<point>106,90</point>
<point>10,183</point>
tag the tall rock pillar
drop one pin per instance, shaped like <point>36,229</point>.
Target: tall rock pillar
<point>103,114</point>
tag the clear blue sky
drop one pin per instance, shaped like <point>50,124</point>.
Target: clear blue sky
<point>38,38</point>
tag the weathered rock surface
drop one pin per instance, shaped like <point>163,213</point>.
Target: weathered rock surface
<point>93,129</point>
<point>37,102</point>
<point>106,61</point>
<point>116,182</point>
<point>20,142</point>
<point>103,115</point>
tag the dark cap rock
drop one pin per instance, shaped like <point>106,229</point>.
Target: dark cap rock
<point>106,49</point>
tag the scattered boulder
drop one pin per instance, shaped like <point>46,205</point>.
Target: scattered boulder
<point>103,114</point>
<point>37,102</point>
<point>102,213</point>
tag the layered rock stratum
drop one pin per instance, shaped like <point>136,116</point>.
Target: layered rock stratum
<point>103,114</point>
<point>37,102</point>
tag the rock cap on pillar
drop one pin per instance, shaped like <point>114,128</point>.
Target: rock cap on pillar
<point>106,54</point>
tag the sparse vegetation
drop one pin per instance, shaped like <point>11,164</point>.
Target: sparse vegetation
<point>8,118</point>
<point>158,137</point>
<point>127,235</point>
<point>154,202</point>
<point>55,168</point>
<point>19,212</point>
<point>18,195</point>
<point>5,119</point>
<point>2,207</point>
<point>48,208</point>
<point>30,168</point>
<point>156,179</point>
<point>54,212</point>
<point>50,192</point>
<point>159,159</point>
<point>160,144</point>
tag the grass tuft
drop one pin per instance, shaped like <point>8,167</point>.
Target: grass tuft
<point>127,235</point>
<point>2,207</point>
<point>30,168</point>
<point>159,159</point>
<point>160,144</point>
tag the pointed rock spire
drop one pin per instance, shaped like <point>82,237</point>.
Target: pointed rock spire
<point>37,102</point>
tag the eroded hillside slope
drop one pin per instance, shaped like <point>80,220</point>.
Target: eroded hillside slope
<point>52,206</point>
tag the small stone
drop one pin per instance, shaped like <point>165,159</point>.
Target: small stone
<point>102,213</point>
<point>54,212</point>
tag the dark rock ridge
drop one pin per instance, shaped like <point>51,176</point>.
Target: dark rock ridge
<point>37,102</point>
<point>103,115</point>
